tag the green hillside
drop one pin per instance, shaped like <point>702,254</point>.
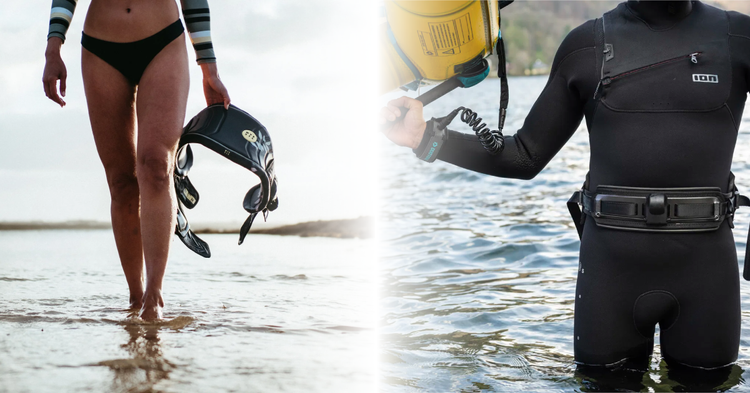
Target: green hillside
<point>533,30</point>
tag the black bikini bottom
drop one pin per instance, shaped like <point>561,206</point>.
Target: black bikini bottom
<point>132,58</point>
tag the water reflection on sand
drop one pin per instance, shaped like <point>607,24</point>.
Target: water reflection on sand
<point>146,365</point>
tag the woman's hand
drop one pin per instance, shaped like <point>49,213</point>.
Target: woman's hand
<point>54,70</point>
<point>213,88</point>
<point>408,131</point>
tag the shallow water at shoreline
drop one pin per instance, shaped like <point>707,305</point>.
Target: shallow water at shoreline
<point>277,314</point>
<point>479,273</point>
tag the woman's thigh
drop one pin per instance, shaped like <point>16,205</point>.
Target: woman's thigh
<point>161,101</point>
<point>110,99</point>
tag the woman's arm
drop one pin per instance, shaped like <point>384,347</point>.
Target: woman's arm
<point>198,20</point>
<point>60,17</point>
<point>551,122</point>
<point>54,69</point>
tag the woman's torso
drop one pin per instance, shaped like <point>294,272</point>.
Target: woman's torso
<point>128,20</point>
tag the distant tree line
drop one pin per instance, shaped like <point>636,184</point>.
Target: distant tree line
<point>533,30</point>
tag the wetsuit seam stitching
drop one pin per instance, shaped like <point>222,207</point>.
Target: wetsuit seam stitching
<point>571,54</point>
<point>556,71</point>
<point>597,68</point>
<point>522,145</point>
<point>731,68</point>
<point>635,303</point>
<point>699,367</point>
<point>729,25</point>
<point>731,116</point>
<point>679,311</point>
<point>635,15</point>
<point>534,160</point>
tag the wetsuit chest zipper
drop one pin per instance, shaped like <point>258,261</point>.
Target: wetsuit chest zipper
<point>608,80</point>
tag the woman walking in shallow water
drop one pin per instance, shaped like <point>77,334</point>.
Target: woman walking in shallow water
<point>135,76</point>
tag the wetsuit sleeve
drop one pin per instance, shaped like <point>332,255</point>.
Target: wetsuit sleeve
<point>739,41</point>
<point>60,17</point>
<point>198,22</point>
<point>553,119</point>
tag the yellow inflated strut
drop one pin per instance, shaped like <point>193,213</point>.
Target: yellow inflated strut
<point>425,42</point>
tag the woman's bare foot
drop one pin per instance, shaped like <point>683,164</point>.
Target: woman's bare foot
<point>135,301</point>
<point>151,310</point>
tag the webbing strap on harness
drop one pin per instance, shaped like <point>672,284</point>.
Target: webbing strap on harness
<point>575,211</point>
<point>502,72</point>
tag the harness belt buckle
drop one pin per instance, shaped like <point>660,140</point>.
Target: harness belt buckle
<point>656,209</point>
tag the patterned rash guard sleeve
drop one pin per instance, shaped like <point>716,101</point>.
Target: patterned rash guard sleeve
<point>60,17</point>
<point>198,22</point>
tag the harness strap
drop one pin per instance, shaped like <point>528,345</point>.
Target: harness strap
<point>706,206</point>
<point>574,207</point>
<point>246,227</point>
<point>741,200</point>
<point>502,74</point>
<point>745,201</point>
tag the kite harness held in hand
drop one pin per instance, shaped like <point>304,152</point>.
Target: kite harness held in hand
<point>239,137</point>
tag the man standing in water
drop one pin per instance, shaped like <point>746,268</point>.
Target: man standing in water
<point>662,86</point>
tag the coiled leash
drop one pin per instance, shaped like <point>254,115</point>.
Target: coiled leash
<point>492,140</point>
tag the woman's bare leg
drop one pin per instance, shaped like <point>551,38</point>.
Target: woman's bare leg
<point>110,101</point>
<point>161,101</point>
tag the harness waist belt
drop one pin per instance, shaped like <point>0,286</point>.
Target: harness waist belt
<point>656,209</point>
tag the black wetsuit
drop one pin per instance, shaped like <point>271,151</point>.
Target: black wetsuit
<point>652,128</point>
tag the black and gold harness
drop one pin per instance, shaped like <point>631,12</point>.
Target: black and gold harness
<point>239,137</point>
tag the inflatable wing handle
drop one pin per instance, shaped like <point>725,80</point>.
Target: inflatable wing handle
<point>428,97</point>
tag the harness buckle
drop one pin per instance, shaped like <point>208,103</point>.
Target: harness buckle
<point>656,209</point>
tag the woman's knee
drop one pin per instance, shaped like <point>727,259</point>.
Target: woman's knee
<point>123,186</point>
<point>154,170</point>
